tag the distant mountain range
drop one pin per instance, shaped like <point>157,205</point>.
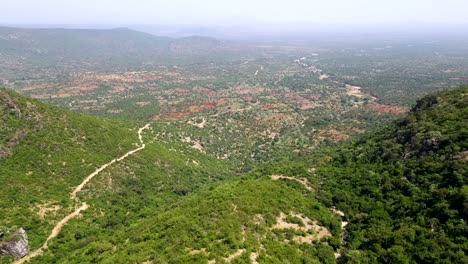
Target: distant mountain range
<point>92,48</point>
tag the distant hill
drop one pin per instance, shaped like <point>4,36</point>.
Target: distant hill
<point>59,44</point>
<point>64,50</point>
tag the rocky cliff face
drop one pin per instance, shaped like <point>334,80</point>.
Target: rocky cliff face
<point>16,245</point>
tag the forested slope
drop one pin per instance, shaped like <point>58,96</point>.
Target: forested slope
<point>46,152</point>
<point>404,189</point>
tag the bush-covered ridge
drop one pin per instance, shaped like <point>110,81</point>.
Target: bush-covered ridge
<point>394,187</point>
<point>60,148</point>
<point>45,152</point>
<point>404,189</point>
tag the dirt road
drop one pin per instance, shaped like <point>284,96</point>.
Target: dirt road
<point>97,171</point>
<point>84,206</point>
<point>54,233</point>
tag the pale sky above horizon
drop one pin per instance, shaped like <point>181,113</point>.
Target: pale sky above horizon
<point>219,12</point>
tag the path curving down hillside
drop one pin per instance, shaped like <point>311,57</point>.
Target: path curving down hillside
<point>97,171</point>
<point>56,230</point>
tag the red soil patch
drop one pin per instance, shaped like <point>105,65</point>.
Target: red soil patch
<point>247,98</point>
<point>268,106</point>
<point>222,102</point>
<point>179,114</point>
<point>195,108</point>
<point>205,91</point>
<point>172,74</point>
<point>208,104</point>
<point>86,86</point>
<point>188,109</point>
<point>296,99</point>
<point>389,109</point>
<point>210,93</point>
<point>182,90</point>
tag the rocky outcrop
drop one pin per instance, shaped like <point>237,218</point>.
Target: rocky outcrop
<point>16,244</point>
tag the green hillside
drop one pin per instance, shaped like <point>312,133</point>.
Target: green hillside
<point>46,152</point>
<point>404,188</point>
<point>240,216</point>
<point>400,193</point>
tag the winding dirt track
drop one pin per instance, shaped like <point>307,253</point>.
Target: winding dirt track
<point>97,171</point>
<point>303,181</point>
<point>84,206</point>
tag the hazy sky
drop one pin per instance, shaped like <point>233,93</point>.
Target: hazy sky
<point>232,11</point>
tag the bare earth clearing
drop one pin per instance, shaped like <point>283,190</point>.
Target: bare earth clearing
<point>308,225</point>
<point>234,255</point>
<point>303,181</point>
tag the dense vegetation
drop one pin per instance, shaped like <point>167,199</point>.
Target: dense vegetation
<point>44,152</point>
<point>404,189</point>
<point>211,224</point>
